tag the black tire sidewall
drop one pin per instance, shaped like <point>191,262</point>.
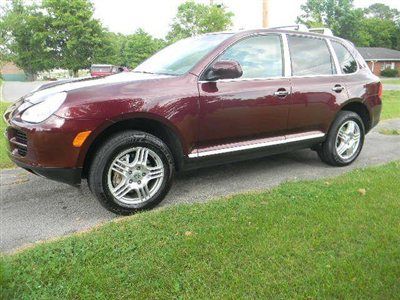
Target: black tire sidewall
<point>329,151</point>
<point>109,151</point>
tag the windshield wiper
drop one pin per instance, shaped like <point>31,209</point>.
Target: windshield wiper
<point>144,72</point>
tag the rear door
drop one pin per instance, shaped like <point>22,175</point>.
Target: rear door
<point>317,87</point>
<point>253,106</point>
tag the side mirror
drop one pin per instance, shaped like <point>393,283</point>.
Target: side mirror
<point>224,69</point>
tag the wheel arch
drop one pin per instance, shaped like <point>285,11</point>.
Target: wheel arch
<point>147,124</point>
<point>357,106</point>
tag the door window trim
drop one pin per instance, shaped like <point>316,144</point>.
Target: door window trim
<point>284,61</point>
<point>351,53</point>
<point>287,59</point>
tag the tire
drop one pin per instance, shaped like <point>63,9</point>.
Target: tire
<point>119,184</point>
<point>329,151</point>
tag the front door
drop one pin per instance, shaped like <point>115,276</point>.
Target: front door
<point>254,106</point>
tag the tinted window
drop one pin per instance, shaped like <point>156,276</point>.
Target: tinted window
<point>347,62</point>
<point>180,57</point>
<point>310,56</point>
<point>259,56</point>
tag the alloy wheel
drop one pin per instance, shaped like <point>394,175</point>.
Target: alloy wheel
<point>135,175</point>
<point>348,140</point>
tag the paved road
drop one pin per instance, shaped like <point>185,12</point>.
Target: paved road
<point>13,90</point>
<point>34,209</point>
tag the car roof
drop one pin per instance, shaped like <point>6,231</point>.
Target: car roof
<point>245,32</point>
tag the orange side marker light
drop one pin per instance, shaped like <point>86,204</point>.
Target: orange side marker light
<point>81,138</point>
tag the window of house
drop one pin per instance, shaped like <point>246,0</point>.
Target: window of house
<point>310,56</point>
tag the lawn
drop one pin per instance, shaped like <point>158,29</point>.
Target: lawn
<point>332,238</point>
<point>390,80</point>
<point>4,160</point>
<point>391,105</point>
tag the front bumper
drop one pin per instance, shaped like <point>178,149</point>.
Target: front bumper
<point>46,149</point>
<point>65,175</point>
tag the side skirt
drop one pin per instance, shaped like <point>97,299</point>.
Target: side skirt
<point>229,153</point>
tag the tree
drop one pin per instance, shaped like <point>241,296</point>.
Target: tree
<point>193,19</point>
<point>338,15</point>
<point>24,35</point>
<point>375,26</point>
<point>139,46</point>
<point>128,50</point>
<point>73,32</point>
<point>382,11</point>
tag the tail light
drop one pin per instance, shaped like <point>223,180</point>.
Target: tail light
<point>380,89</point>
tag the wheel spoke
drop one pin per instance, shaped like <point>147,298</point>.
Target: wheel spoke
<point>342,148</point>
<point>122,189</point>
<point>141,156</point>
<point>342,134</point>
<point>155,172</point>
<point>120,168</point>
<point>143,192</point>
<point>356,136</point>
<point>351,127</point>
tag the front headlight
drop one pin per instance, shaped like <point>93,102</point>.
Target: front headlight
<point>44,109</point>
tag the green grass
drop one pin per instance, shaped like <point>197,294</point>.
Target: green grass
<point>390,80</point>
<point>336,238</point>
<point>391,105</point>
<point>5,162</point>
<point>387,131</point>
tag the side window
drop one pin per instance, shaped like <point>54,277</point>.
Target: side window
<point>310,56</point>
<point>347,62</point>
<point>259,56</point>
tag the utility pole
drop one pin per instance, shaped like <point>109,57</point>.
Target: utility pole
<point>265,13</point>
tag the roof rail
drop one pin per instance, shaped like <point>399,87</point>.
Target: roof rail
<point>297,27</point>
<point>304,28</point>
<point>321,30</point>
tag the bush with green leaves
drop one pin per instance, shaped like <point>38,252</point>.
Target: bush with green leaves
<point>390,73</point>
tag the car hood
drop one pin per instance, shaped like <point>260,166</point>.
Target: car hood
<point>66,86</point>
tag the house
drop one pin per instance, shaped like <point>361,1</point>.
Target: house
<point>379,59</point>
<point>10,72</point>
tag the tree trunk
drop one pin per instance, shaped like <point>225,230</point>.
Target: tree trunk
<point>75,73</point>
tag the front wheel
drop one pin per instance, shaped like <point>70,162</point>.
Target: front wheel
<point>344,141</point>
<point>131,171</point>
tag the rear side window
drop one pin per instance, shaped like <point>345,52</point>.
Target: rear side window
<point>310,56</point>
<point>347,62</point>
<point>259,56</point>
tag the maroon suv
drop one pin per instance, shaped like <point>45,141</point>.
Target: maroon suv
<point>209,99</point>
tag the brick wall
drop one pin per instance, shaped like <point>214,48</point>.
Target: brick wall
<point>378,66</point>
<point>10,68</point>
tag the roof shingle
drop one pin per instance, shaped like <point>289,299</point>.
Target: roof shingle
<point>375,53</point>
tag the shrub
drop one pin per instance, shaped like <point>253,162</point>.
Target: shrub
<point>390,73</point>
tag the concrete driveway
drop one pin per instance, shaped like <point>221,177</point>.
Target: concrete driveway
<point>34,209</point>
<point>13,90</point>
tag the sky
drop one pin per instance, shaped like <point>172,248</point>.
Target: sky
<point>155,16</point>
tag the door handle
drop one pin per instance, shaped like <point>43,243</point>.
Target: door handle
<point>338,88</point>
<point>282,93</point>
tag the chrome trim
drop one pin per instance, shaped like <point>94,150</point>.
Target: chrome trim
<point>287,62</point>
<point>333,55</point>
<point>256,145</point>
<point>238,41</point>
<point>286,54</point>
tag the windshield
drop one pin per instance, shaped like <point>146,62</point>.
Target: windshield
<point>180,57</point>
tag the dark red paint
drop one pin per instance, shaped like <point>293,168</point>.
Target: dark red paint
<point>198,114</point>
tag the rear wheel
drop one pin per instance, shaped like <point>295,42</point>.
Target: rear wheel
<point>344,141</point>
<point>132,171</point>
